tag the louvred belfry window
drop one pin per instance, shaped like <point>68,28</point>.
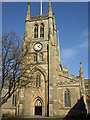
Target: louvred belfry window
<point>14,100</point>
<point>36,31</point>
<point>41,30</point>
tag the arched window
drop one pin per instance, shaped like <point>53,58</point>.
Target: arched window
<point>38,103</point>
<point>41,30</point>
<point>41,57</point>
<point>67,99</point>
<point>35,57</point>
<point>38,81</point>
<point>36,31</point>
<point>14,100</point>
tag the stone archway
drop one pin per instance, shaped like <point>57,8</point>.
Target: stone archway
<point>38,107</point>
<point>40,93</point>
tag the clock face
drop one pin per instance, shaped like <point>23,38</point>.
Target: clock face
<point>38,46</point>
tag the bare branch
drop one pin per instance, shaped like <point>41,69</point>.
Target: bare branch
<point>14,76</point>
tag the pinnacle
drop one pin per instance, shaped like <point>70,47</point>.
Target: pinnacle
<point>80,62</point>
<point>28,3</point>
<point>28,12</point>
<point>50,8</point>
<point>81,71</point>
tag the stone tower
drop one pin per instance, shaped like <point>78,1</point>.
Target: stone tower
<point>49,88</point>
<point>43,56</point>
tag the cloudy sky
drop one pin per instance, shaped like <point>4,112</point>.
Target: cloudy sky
<point>71,22</point>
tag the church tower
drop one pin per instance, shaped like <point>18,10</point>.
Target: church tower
<point>42,57</point>
<point>49,89</point>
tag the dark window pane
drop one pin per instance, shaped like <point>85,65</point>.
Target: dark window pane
<point>35,57</point>
<point>36,31</point>
<point>42,30</point>
<point>41,57</point>
<point>13,100</point>
<point>39,82</point>
<point>67,99</point>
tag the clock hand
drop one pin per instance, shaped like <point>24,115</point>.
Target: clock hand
<point>39,46</point>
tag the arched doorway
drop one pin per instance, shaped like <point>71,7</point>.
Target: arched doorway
<point>38,107</point>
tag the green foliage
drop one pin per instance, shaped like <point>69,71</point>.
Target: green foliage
<point>8,115</point>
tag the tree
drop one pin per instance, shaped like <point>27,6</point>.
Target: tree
<point>13,75</point>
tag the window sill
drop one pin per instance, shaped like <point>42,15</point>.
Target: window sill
<point>34,62</point>
<point>41,37</point>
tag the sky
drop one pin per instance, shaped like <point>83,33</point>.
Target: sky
<point>71,22</point>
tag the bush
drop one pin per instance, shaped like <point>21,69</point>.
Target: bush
<point>8,115</point>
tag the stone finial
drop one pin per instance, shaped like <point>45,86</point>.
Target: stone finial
<point>50,8</point>
<point>81,71</point>
<point>28,3</point>
<point>28,12</point>
<point>50,5</point>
